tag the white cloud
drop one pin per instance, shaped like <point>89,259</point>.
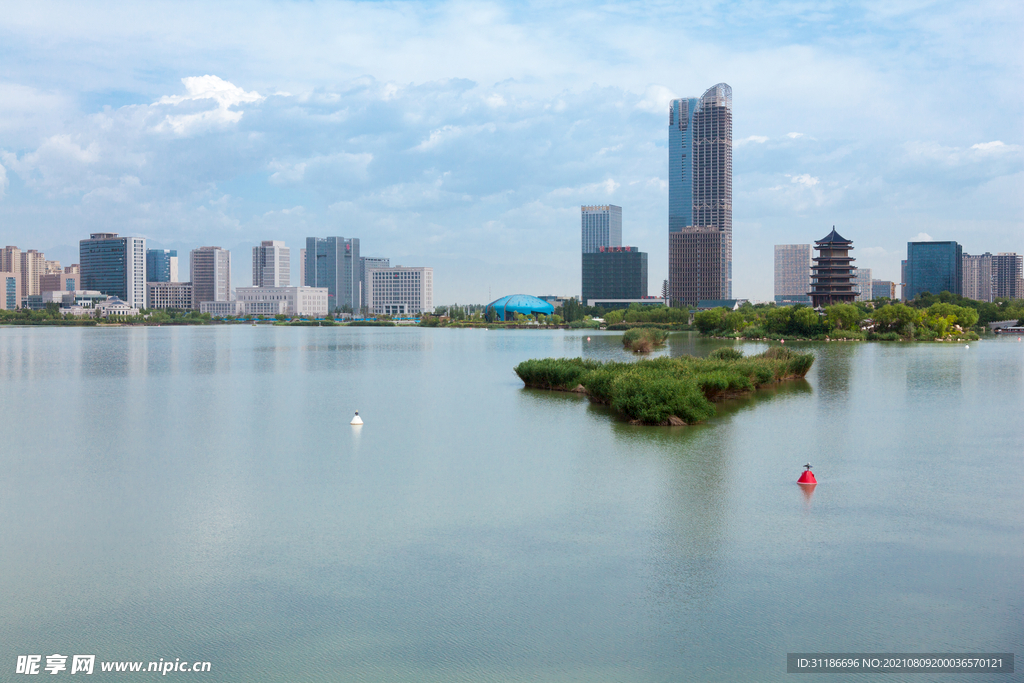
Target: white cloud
<point>995,147</point>
<point>803,179</point>
<point>922,237</point>
<point>656,100</point>
<point>199,88</point>
<point>607,187</point>
<point>758,139</point>
<point>794,136</point>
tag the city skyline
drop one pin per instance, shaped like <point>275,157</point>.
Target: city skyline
<point>439,150</point>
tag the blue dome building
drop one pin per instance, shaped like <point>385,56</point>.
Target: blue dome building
<point>507,306</point>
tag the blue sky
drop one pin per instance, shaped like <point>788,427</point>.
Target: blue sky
<point>466,135</point>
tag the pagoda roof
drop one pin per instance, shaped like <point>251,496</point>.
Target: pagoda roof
<point>834,237</point>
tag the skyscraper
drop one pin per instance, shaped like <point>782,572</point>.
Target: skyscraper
<point>792,273</point>
<point>700,195</point>
<point>367,263</point>
<point>333,262</point>
<point>161,265</point>
<point>978,282</point>
<point>602,227</point>
<point>1007,270</point>
<point>33,267</point>
<point>271,265</point>
<point>933,267</point>
<point>115,266</point>
<point>210,274</point>
<point>861,283</point>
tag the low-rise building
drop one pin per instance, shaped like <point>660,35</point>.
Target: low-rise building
<point>114,307</point>
<point>178,295</point>
<point>221,309</point>
<point>400,290</point>
<point>304,301</point>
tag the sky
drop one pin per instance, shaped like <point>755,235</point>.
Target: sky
<point>465,136</point>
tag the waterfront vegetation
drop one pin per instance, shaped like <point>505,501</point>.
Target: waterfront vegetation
<point>644,339</point>
<point>663,391</point>
<point>871,321</point>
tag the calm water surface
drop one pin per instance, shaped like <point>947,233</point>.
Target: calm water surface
<point>199,493</point>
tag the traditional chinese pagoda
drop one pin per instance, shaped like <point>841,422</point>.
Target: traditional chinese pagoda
<point>832,272</point>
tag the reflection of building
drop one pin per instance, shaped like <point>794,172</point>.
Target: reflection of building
<point>115,266</point>
<point>333,262</point>
<point>271,265</point>
<point>861,283</point>
<point>695,265</point>
<point>210,273</point>
<point>700,196</point>
<point>933,267</point>
<point>614,273</point>
<point>978,281</point>
<point>832,272</point>
<point>883,289</point>
<point>507,307</point>
<point>1007,272</point>
<point>400,290</point>
<point>179,295</point>
<point>10,284</point>
<point>792,273</point>
<point>161,265</point>
<point>602,227</point>
<point>283,300</point>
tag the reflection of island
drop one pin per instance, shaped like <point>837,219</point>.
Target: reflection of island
<point>667,391</point>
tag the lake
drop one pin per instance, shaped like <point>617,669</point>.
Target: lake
<point>197,493</point>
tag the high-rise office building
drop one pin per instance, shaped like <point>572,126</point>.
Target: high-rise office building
<point>832,273</point>
<point>883,289</point>
<point>33,267</point>
<point>9,288</point>
<point>614,273</point>
<point>977,274</point>
<point>161,265</point>
<point>271,265</point>
<point>792,273</point>
<point>861,283</point>
<point>333,262</point>
<point>115,266</point>
<point>400,290</point>
<point>10,260</point>
<point>210,274</point>
<point>1007,272</point>
<point>602,227</point>
<point>367,263</point>
<point>700,195</point>
<point>933,267</point>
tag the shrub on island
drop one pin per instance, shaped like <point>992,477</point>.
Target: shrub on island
<point>643,339</point>
<point>665,391</point>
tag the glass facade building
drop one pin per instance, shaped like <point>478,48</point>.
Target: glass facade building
<point>161,265</point>
<point>614,273</point>
<point>333,262</point>
<point>700,189</point>
<point>115,266</point>
<point>271,265</point>
<point>367,263</point>
<point>601,227</point>
<point>933,267</point>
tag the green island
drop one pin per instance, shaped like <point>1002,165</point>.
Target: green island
<point>644,339</point>
<point>667,391</point>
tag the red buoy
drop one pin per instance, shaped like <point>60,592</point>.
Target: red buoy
<point>807,477</point>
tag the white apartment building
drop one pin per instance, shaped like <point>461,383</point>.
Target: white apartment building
<point>283,300</point>
<point>271,265</point>
<point>399,290</point>
<point>170,295</point>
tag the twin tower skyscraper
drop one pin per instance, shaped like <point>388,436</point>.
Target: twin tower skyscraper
<point>700,197</point>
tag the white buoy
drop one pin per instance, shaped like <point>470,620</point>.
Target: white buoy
<point>356,420</point>
<point>967,346</point>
